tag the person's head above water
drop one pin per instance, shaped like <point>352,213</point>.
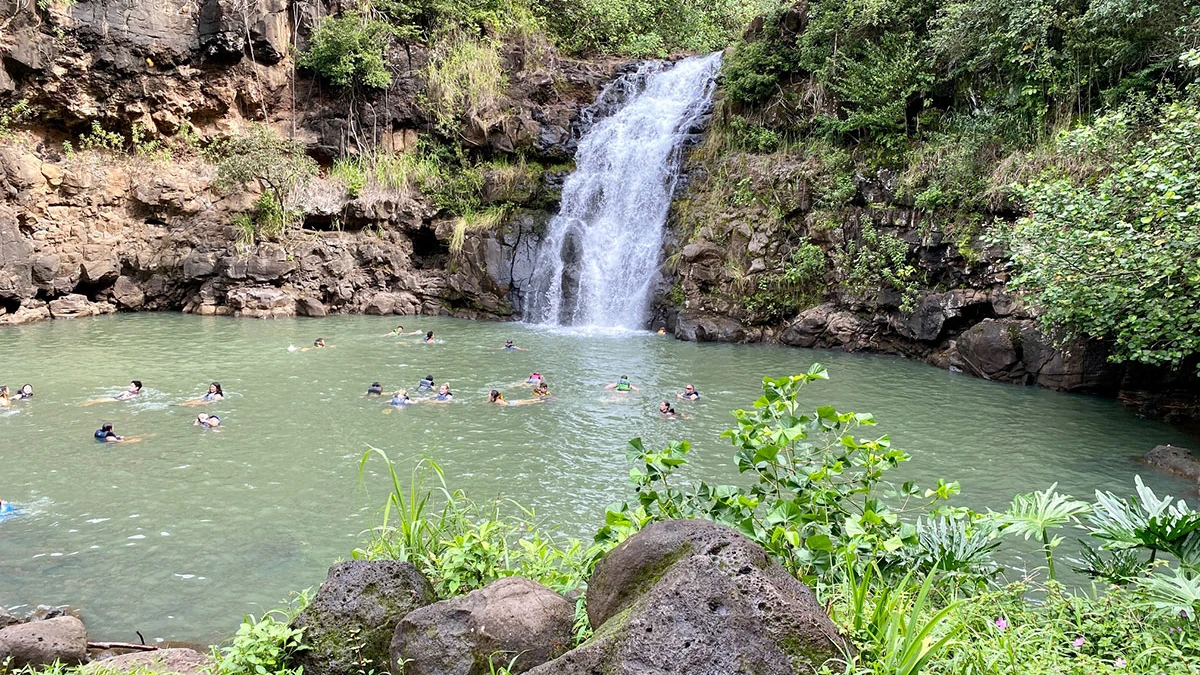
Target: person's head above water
<point>543,387</point>
<point>665,408</point>
<point>107,426</point>
<point>26,390</point>
<point>215,388</point>
<point>429,335</point>
<point>508,343</point>
<point>135,386</point>
<point>445,388</point>
<point>495,397</point>
<point>320,342</point>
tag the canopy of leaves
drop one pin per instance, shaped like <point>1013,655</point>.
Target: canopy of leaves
<point>1118,257</point>
<point>348,50</point>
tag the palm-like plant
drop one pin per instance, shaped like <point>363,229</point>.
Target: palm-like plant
<point>1176,596</point>
<point>954,546</point>
<point>1148,522</point>
<point>1035,514</point>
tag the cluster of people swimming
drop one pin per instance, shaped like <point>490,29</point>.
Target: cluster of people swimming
<point>427,391</point>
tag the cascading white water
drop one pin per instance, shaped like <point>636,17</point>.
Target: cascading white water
<point>601,255</point>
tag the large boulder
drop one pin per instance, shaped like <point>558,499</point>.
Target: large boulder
<point>40,643</point>
<point>696,598</point>
<point>512,622</point>
<point>348,626</point>
<point>1176,460</point>
<point>74,305</point>
<point>177,660</point>
<point>261,302</point>
<point>699,327</point>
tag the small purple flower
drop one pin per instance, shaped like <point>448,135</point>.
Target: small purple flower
<point>1119,663</point>
<point>1001,623</point>
<point>1077,642</point>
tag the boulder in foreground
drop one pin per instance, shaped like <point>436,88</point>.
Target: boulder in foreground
<point>512,622</point>
<point>41,643</point>
<point>348,626</point>
<point>696,598</point>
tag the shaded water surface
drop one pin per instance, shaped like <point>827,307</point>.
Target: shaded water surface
<point>180,534</point>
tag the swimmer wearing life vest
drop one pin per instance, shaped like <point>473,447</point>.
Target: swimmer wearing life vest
<point>498,398</point>
<point>25,392</point>
<point>689,394</point>
<point>510,347</point>
<point>105,434</point>
<point>4,400</point>
<point>401,398</point>
<point>444,395</point>
<point>376,389</point>
<point>622,384</point>
<point>666,410</point>
<point>134,390</point>
<point>535,378</point>
<point>542,391</point>
<point>426,384</point>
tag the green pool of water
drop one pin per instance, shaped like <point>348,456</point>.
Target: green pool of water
<point>180,534</point>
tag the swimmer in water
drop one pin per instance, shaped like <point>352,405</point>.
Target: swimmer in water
<point>4,401</point>
<point>622,384</point>
<point>535,378</point>
<point>426,384</point>
<point>376,389</point>
<point>207,421</point>
<point>510,347</point>
<point>428,338</point>
<point>214,394</point>
<point>444,395</point>
<point>25,392</point>
<point>689,394</point>
<point>105,434</point>
<point>135,388</point>
<point>542,391</point>
<point>401,398</point>
<point>662,330</point>
<point>498,398</point>
<point>666,410</point>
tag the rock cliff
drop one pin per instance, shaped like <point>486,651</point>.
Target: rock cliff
<point>109,204</point>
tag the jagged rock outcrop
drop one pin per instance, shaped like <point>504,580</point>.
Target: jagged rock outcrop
<point>175,660</point>
<point>512,623</point>
<point>348,625</point>
<point>696,598</point>
<point>1176,460</point>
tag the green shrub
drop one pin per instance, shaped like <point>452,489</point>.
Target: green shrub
<point>278,166</point>
<point>348,50</point>
<point>352,174</point>
<point>465,79</point>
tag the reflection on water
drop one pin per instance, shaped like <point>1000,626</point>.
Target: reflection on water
<point>180,534</point>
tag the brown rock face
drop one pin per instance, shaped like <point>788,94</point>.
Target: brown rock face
<point>176,660</point>
<point>41,643</point>
<point>512,622</point>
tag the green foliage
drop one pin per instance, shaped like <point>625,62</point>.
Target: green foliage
<point>475,221</point>
<point>262,646</point>
<point>753,70</point>
<point>278,166</point>
<point>348,50</point>
<point>875,261</point>
<point>817,493</point>
<point>352,174</point>
<point>18,113</point>
<point>1035,514</point>
<point>1148,522</point>
<point>465,80</point>
<point>100,139</point>
<point>1117,256</point>
<point>466,545</point>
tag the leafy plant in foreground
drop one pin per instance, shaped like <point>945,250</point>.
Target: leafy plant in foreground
<point>1035,514</point>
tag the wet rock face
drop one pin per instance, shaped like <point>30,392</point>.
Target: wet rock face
<point>1176,460</point>
<point>698,598</point>
<point>349,624</point>
<point>513,622</point>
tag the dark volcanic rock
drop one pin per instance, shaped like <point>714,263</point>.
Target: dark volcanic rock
<point>508,619</point>
<point>696,327</point>
<point>349,624</point>
<point>690,596</point>
<point>1176,460</point>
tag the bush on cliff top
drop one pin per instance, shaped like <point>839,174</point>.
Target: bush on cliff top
<point>348,50</point>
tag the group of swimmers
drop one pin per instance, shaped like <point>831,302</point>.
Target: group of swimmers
<point>540,393</point>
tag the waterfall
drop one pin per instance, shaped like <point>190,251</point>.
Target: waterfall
<point>601,256</point>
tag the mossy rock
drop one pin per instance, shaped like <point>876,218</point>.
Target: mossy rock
<point>349,624</point>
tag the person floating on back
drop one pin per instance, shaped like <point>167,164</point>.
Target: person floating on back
<point>497,398</point>
<point>535,378</point>
<point>689,393</point>
<point>4,400</point>
<point>510,347</point>
<point>376,389</point>
<point>622,384</point>
<point>542,391</point>
<point>426,384</point>
<point>25,392</point>
<point>105,434</point>
<point>207,421</point>
<point>135,388</point>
